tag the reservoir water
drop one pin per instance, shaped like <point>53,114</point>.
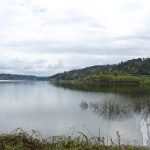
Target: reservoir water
<point>53,110</point>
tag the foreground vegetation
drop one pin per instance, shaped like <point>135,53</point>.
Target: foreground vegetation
<point>21,140</point>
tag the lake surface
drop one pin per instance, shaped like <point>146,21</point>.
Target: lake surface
<point>53,110</point>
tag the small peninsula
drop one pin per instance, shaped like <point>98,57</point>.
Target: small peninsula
<point>135,71</point>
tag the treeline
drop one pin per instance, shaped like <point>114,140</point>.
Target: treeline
<point>131,71</point>
<point>21,77</point>
<point>140,66</point>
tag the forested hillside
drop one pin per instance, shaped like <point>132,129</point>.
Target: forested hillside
<point>130,71</point>
<point>21,77</point>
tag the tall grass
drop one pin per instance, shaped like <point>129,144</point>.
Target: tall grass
<point>21,140</point>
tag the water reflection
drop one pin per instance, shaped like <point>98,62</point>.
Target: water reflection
<point>119,106</point>
<point>119,110</point>
<point>145,129</point>
<point>145,125</point>
<point>52,110</point>
<point>109,109</point>
<point>131,90</point>
<point>128,105</point>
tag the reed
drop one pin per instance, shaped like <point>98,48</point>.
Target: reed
<point>21,140</point>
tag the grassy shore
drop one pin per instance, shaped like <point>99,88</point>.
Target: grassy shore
<point>107,79</point>
<point>21,140</point>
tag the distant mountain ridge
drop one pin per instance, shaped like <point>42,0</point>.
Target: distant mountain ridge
<point>140,66</point>
<point>4,76</point>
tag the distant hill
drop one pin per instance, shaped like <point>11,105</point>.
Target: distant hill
<point>140,66</point>
<point>128,71</point>
<point>21,77</point>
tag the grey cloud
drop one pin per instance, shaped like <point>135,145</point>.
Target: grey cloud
<point>89,37</point>
<point>133,6</point>
<point>21,66</point>
<point>72,17</point>
<point>85,47</point>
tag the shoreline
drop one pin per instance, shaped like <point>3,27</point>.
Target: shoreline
<point>22,140</point>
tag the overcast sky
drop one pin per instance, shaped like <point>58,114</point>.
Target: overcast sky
<point>43,37</point>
